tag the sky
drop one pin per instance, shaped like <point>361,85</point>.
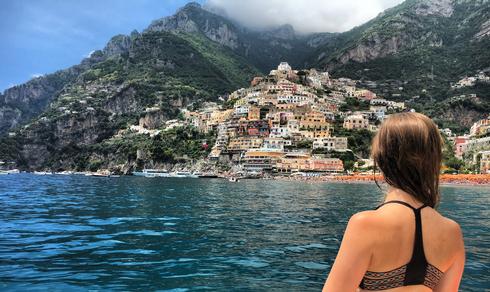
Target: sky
<point>41,36</point>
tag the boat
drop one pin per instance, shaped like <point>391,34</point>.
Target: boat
<point>65,172</point>
<point>208,175</point>
<point>9,171</point>
<point>233,179</point>
<point>152,173</point>
<point>182,174</point>
<point>42,173</point>
<point>101,174</point>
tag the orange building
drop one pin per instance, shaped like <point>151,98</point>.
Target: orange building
<point>253,113</point>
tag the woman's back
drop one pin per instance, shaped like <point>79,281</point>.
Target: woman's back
<point>404,245</point>
<point>393,238</point>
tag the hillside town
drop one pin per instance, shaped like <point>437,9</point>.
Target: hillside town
<point>297,123</point>
<point>285,123</point>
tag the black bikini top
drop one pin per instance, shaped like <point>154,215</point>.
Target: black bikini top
<point>417,272</point>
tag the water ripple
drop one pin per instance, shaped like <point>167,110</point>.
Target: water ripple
<point>77,233</point>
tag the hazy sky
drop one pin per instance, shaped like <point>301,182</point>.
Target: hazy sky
<point>42,36</point>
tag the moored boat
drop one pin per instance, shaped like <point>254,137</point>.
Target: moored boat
<point>181,174</point>
<point>42,173</point>
<point>208,175</point>
<point>9,171</point>
<point>65,172</point>
<point>152,173</point>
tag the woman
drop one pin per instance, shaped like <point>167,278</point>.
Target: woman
<point>405,244</point>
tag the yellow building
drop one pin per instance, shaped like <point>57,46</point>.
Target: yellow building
<point>253,113</point>
<point>286,106</point>
<point>313,120</point>
<point>317,133</point>
<point>254,160</point>
<point>485,162</point>
<point>303,162</point>
<point>292,162</point>
<point>244,143</point>
<point>218,117</point>
<point>481,127</point>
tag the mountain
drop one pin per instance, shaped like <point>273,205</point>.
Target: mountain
<point>156,71</point>
<point>207,31</point>
<point>419,45</point>
<point>71,117</point>
<point>263,49</point>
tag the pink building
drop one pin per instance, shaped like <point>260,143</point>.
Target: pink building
<point>460,144</point>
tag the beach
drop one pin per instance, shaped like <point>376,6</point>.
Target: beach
<point>445,179</point>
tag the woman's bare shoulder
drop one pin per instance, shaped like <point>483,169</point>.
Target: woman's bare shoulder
<point>445,224</point>
<point>368,221</point>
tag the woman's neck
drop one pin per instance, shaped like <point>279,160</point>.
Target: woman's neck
<point>400,195</point>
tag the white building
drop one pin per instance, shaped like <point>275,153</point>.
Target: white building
<point>242,109</point>
<point>277,132</point>
<point>274,144</point>
<point>379,111</point>
<point>284,66</point>
<point>331,143</point>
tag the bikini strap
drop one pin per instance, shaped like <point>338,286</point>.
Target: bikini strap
<point>417,266</point>
<point>403,203</point>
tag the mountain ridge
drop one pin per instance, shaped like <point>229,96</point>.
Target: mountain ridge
<point>412,45</point>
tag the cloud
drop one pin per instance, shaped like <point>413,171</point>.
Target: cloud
<point>305,16</point>
<point>37,75</point>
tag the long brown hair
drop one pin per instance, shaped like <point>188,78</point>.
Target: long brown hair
<point>408,150</point>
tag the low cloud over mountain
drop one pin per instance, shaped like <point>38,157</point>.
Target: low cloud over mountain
<point>304,16</point>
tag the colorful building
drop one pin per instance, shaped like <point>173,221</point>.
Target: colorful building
<point>256,160</point>
<point>357,121</point>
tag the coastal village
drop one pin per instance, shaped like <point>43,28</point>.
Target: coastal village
<point>287,123</point>
<point>296,123</point>
<point>284,123</point>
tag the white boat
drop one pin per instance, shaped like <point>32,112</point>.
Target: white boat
<point>233,179</point>
<point>182,174</point>
<point>152,173</point>
<point>9,171</point>
<point>66,172</point>
<point>41,173</point>
<point>101,174</point>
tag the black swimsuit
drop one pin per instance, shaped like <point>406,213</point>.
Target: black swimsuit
<point>417,272</point>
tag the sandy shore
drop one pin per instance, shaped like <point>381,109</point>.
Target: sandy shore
<point>445,179</point>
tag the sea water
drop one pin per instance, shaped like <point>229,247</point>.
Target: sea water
<point>77,233</point>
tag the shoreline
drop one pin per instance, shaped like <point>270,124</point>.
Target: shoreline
<point>473,180</point>
<point>445,180</point>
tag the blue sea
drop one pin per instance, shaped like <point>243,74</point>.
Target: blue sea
<point>77,233</point>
